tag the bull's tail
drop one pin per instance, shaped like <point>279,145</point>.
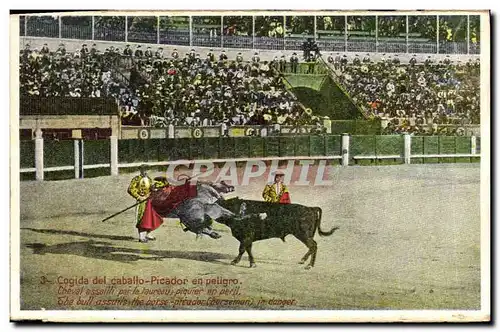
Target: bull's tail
<point>318,224</point>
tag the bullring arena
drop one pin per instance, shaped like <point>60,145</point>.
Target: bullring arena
<point>408,238</point>
<point>391,103</point>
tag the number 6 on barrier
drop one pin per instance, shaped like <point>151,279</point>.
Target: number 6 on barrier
<point>143,133</point>
<point>197,133</point>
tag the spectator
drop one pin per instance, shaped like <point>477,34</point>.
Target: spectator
<point>294,61</point>
<point>84,51</point>
<point>239,58</point>
<point>356,60</point>
<point>148,53</point>
<point>159,53</point>
<point>175,54</point>
<point>447,60</point>
<point>45,49</point>
<point>343,62</point>
<point>211,55</point>
<point>138,52</point>
<point>93,50</point>
<point>256,58</point>
<point>223,56</point>
<point>127,51</point>
<point>274,65</point>
<point>192,54</point>
<point>61,50</point>
<point>413,60</point>
<point>282,63</point>
<point>312,65</point>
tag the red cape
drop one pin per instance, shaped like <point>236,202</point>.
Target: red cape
<point>285,199</point>
<point>166,200</point>
<point>151,220</point>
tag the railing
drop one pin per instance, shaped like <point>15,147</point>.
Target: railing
<point>305,68</point>
<point>75,157</point>
<point>391,47</point>
<point>187,35</point>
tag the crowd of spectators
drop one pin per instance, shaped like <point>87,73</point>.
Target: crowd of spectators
<point>414,97</point>
<point>167,89</point>
<point>210,89</point>
<point>391,26</point>
<point>83,73</point>
<point>193,90</point>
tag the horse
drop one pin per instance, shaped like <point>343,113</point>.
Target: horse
<point>197,208</point>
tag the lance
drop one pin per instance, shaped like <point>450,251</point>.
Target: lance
<point>189,178</point>
<point>120,212</point>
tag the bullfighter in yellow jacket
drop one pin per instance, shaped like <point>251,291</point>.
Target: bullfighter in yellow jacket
<point>277,192</point>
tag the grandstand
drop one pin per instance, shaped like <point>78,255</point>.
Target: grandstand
<point>107,71</point>
<point>236,75</point>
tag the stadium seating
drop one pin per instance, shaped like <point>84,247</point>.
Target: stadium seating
<point>415,95</point>
<point>62,74</point>
<point>185,91</point>
<point>195,90</point>
<point>203,91</point>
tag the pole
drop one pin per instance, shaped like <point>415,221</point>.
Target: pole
<point>222,31</point>
<point>158,29</point>
<point>38,155</point>
<point>82,158</point>
<point>93,27</point>
<point>345,33</point>
<point>473,145</point>
<point>376,33</point>
<point>120,212</point>
<point>190,30</point>
<point>171,131</point>
<point>284,32</point>
<point>315,28</point>
<point>253,31</point>
<point>345,149</point>
<point>26,25</point>
<point>407,33</point>
<point>126,29</point>
<point>113,140</point>
<point>468,33</point>
<point>407,151</point>
<point>76,148</point>
<point>59,21</point>
<point>437,34</point>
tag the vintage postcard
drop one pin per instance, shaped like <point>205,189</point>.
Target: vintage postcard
<point>250,166</point>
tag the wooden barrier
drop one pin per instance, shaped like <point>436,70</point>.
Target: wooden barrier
<point>106,157</point>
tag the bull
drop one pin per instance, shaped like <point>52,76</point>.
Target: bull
<point>280,220</point>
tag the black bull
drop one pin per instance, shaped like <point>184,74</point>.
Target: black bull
<point>282,220</point>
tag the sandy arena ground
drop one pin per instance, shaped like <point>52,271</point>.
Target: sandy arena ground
<point>409,238</point>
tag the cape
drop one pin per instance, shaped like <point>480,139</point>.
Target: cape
<point>151,220</point>
<point>285,198</point>
<point>167,199</point>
